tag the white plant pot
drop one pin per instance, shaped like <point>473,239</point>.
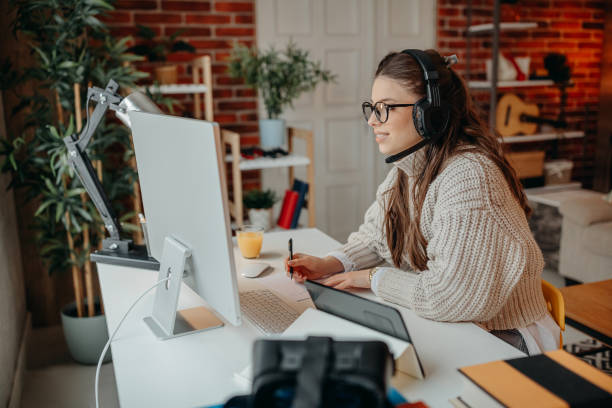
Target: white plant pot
<point>261,217</point>
<point>271,133</point>
<point>85,336</point>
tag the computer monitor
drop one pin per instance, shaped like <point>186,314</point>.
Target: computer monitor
<point>185,202</point>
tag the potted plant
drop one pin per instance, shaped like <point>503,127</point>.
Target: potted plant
<point>155,50</point>
<point>280,77</point>
<point>259,204</point>
<point>66,223</point>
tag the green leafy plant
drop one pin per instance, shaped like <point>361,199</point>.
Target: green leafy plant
<point>258,199</point>
<point>70,45</point>
<point>158,49</point>
<point>281,77</point>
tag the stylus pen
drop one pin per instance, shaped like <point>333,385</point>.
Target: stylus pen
<point>291,257</point>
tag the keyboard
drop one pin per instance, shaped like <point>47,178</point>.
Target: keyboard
<point>269,313</point>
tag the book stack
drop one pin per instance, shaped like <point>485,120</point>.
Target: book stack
<point>553,379</point>
<point>292,205</point>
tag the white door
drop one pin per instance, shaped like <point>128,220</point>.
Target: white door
<point>402,24</point>
<point>349,37</point>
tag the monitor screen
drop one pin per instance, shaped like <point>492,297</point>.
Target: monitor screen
<point>184,196</point>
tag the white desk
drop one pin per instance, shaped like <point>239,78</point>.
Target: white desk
<point>198,369</point>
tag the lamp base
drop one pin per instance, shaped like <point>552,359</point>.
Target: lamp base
<point>135,257</point>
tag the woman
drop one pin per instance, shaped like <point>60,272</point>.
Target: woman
<point>449,221</point>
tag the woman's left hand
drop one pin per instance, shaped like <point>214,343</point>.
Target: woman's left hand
<point>352,279</point>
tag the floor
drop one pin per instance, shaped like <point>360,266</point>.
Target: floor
<point>54,380</point>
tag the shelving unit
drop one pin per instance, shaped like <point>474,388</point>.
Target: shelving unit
<point>510,84</point>
<point>489,27</point>
<point>292,160</point>
<point>540,137</point>
<point>175,89</point>
<point>201,88</point>
<point>494,28</point>
<point>260,163</point>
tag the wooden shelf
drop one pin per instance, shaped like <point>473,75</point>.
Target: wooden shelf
<point>175,89</point>
<point>290,160</point>
<point>232,140</point>
<point>488,27</point>
<point>510,84</point>
<point>538,137</point>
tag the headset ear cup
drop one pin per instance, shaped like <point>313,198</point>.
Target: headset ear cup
<point>430,122</point>
<point>419,111</point>
<point>437,119</point>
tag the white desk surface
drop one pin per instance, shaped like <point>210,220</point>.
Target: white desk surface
<point>198,369</point>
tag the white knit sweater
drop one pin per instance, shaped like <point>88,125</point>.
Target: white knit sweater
<point>483,263</point>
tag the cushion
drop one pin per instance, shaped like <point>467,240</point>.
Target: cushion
<point>597,239</point>
<point>586,211</point>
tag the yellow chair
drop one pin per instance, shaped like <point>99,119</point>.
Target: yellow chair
<point>556,306</point>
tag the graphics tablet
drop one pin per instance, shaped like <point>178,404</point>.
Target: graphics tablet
<point>357,309</point>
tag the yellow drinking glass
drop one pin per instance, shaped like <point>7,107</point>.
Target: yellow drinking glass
<point>250,239</point>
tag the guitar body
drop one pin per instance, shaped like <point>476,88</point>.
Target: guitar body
<point>510,108</point>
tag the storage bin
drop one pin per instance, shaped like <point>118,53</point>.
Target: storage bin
<point>527,164</point>
<point>558,171</point>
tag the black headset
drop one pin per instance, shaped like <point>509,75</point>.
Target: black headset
<point>429,114</point>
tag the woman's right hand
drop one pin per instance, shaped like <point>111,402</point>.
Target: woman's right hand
<point>311,267</point>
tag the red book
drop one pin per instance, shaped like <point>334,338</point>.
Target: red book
<point>289,203</point>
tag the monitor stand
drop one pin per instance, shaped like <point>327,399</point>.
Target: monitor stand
<point>166,322</point>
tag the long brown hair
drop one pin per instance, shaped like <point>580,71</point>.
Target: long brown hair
<point>466,130</point>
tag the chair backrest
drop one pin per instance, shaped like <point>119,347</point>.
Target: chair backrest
<point>556,306</point>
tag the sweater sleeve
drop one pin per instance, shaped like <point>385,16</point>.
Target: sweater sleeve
<point>474,259</point>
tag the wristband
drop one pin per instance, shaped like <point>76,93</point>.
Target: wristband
<point>371,274</point>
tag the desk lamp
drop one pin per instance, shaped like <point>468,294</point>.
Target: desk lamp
<point>114,249</point>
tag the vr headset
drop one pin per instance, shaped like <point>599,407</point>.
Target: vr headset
<point>318,372</point>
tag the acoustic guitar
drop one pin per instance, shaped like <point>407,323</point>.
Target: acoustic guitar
<point>513,116</point>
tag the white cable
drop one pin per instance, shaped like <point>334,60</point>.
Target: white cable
<point>115,332</point>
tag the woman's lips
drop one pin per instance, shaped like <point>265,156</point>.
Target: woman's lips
<point>380,137</point>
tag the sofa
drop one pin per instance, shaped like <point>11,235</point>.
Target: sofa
<point>586,240</point>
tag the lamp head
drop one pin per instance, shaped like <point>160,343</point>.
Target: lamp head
<point>136,101</point>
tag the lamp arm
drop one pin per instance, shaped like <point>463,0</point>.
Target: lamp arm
<point>83,168</point>
<point>80,162</point>
<point>105,98</point>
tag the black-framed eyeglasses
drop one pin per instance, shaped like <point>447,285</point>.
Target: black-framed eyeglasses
<point>380,109</point>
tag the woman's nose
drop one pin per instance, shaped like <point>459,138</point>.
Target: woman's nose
<point>373,121</point>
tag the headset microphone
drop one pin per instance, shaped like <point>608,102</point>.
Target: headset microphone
<point>406,152</point>
<point>429,114</point>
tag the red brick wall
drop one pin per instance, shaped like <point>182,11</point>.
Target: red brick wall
<point>212,27</point>
<point>572,28</point>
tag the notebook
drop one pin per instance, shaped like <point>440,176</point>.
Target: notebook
<point>553,379</point>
